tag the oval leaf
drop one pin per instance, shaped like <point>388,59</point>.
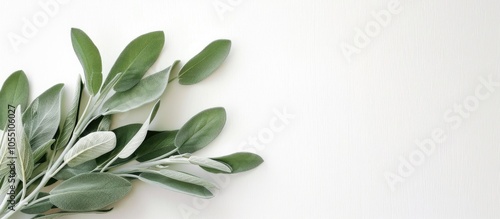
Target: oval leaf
<point>90,58</point>
<point>175,185</point>
<point>123,136</point>
<point>89,191</point>
<point>156,146</point>
<point>42,117</point>
<point>188,178</point>
<point>24,154</point>
<point>239,162</point>
<point>205,63</point>
<point>200,130</point>
<point>146,91</point>
<point>136,59</point>
<point>69,172</point>
<point>15,91</point>
<point>209,163</point>
<point>90,147</point>
<point>39,207</point>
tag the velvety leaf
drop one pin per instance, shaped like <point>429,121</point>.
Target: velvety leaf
<point>209,163</point>
<point>69,172</point>
<point>205,63</point>
<point>90,58</point>
<point>89,191</point>
<point>156,146</point>
<point>42,117</point>
<point>24,154</point>
<point>15,91</point>
<point>4,169</point>
<point>187,178</point>
<point>239,162</point>
<point>146,91</point>
<point>71,118</point>
<point>42,150</point>
<point>175,185</point>
<point>200,130</point>
<point>105,123</point>
<point>39,207</point>
<point>90,147</point>
<point>123,136</point>
<point>136,59</point>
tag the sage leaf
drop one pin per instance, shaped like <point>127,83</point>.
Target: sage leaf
<point>135,60</point>
<point>42,117</point>
<point>205,63</point>
<point>89,191</point>
<point>68,172</point>
<point>123,136</point>
<point>67,213</point>
<point>139,137</point>
<point>175,185</point>
<point>90,58</point>
<point>146,91</point>
<point>209,163</point>
<point>15,91</point>
<point>71,118</point>
<point>105,123</point>
<point>24,163</point>
<point>4,169</point>
<point>156,146</point>
<point>90,147</point>
<point>39,207</point>
<point>239,162</point>
<point>188,178</point>
<point>200,130</point>
<point>42,150</point>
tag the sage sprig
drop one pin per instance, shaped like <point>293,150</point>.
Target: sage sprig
<point>94,163</point>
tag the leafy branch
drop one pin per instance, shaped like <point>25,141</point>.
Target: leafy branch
<point>93,163</point>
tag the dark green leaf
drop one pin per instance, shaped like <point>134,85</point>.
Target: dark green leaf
<point>136,59</point>
<point>239,162</point>
<point>89,191</point>
<point>205,63</point>
<point>175,185</point>
<point>200,130</point>
<point>156,145</point>
<point>15,91</point>
<point>90,58</point>
<point>42,117</point>
<point>69,172</point>
<point>123,136</point>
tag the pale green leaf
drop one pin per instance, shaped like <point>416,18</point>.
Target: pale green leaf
<point>239,162</point>
<point>15,91</point>
<point>136,59</point>
<point>24,154</point>
<point>209,163</point>
<point>200,130</point>
<point>42,117</point>
<point>205,63</point>
<point>147,90</point>
<point>90,58</point>
<point>39,207</point>
<point>90,147</point>
<point>89,191</point>
<point>42,150</point>
<point>71,118</point>
<point>188,178</point>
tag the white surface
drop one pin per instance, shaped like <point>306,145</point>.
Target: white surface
<point>353,120</point>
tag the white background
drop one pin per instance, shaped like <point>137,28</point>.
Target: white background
<point>353,122</point>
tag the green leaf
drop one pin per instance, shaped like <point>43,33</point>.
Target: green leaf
<point>42,150</point>
<point>89,191</point>
<point>90,147</point>
<point>90,58</point>
<point>39,207</point>
<point>4,169</point>
<point>200,130</point>
<point>105,123</point>
<point>147,90</point>
<point>156,146</point>
<point>42,117</point>
<point>175,185</point>
<point>66,213</point>
<point>123,136</point>
<point>239,162</point>
<point>209,163</point>
<point>69,172</point>
<point>136,59</point>
<point>24,154</point>
<point>15,91</point>
<point>187,178</point>
<point>205,63</point>
<point>71,118</point>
